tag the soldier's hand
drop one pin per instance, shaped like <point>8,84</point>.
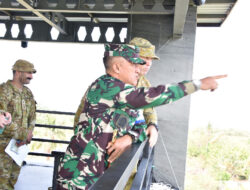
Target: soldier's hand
<point>153,135</point>
<point>5,119</point>
<point>115,149</point>
<point>2,121</point>
<point>210,83</point>
<point>8,117</point>
<point>20,143</point>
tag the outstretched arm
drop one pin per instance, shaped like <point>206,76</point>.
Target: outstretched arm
<point>141,98</point>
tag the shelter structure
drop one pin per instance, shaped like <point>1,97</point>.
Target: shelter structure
<point>169,24</point>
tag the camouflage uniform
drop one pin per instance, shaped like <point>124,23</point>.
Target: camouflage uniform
<point>21,106</point>
<point>110,104</point>
<point>79,110</point>
<point>150,117</point>
<point>148,113</point>
<point>146,50</point>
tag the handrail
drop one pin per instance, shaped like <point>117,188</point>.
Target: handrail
<point>117,175</point>
<point>55,112</point>
<point>143,178</point>
<point>51,127</point>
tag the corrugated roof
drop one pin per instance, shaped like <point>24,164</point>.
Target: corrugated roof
<point>214,12</point>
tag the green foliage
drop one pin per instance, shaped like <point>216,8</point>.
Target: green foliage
<point>51,133</point>
<point>220,155</point>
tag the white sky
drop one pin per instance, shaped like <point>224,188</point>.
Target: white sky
<point>224,50</point>
<point>65,70</point>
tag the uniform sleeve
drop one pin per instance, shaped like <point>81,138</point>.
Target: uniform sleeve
<point>141,98</point>
<point>9,130</point>
<point>32,116</point>
<point>80,109</point>
<point>3,100</point>
<point>150,116</point>
<point>78,113</point>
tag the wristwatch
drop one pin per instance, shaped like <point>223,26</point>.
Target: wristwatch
<point>156,126</point>
<point>197,84</point>
<point>132,137</point>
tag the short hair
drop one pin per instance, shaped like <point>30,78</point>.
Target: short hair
<point>107,62</point>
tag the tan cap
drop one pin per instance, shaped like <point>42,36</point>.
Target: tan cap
<point>146,48</point>
<point>24,66</point>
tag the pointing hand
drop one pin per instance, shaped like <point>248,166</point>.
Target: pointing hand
<point>210,83</point>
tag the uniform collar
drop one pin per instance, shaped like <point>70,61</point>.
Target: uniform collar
<point>9,82</point>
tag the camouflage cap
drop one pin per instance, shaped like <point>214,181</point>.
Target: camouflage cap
<point>24,66</point>
<point>129,52</point>
<point>146,48</point>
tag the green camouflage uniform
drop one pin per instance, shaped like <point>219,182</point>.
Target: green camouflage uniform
<point>21,106</point>
<point>110,104</point>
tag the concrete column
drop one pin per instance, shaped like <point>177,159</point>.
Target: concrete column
<point>176,65</point>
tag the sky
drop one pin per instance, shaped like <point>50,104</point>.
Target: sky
<point>224,50</point>
<point>64,71</point>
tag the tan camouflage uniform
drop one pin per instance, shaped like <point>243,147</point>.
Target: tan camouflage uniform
<point>79,110</point>
<point>22,107</point>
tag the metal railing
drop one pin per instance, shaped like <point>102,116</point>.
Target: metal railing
<point>117,175</point>
<point>138,155</point>
<point>50,127</point>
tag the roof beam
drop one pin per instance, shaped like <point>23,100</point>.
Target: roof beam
<point>181,8</point>
<point>220,1</point>
<point>78,32</point>
<point>207,16</point>
<point>100,7</point>
<point>53,19</point>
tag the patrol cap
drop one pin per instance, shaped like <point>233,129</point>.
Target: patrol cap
<point>146,48</point>
<point>23,66</point>
<point>129,52</point>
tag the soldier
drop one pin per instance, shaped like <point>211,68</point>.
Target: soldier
<point>147,53</point>
<point>112,103</point>
<point>18,100</point>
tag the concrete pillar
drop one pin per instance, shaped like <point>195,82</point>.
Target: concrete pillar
<point>176,65</point>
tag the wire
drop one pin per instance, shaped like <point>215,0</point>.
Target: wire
<point>166,151</point>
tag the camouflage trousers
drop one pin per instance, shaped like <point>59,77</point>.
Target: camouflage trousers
<point>61,186</point>
<point>9,170</point>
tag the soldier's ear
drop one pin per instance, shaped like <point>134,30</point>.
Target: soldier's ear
<point>116,67</point>
<point>17,73</point>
